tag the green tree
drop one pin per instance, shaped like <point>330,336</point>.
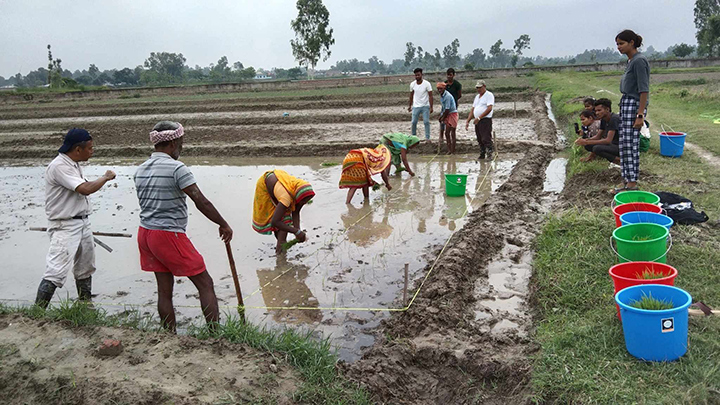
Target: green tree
<point>294,73</point>
<point>683,50</point>
<point>93,71</point>
<point>221,71</point>
<point>409,53</point>
<point>451,54</point>
<point>496,51</point>
<point>164,67</point>
<point>476,58</point>
<point>313,36</point>
<point>514,60</point>
<point>124,76</point>
<point>709,39</point>
<point>522,43</point>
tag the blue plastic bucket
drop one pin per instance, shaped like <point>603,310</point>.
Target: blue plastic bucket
<point>672,144</point>
<point>655,335</point>
<point>638,217</point>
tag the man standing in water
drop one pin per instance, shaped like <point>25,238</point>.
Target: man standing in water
<point>68,208</point>
<point>162,183</point>
<point>421,102</point>
<point>481,115</point>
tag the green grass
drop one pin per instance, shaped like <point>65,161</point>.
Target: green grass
<point>648,274</point>
<point>313,358</point>
<point>649,303</point>
<point>582,356</point>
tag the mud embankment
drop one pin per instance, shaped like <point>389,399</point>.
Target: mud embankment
<point>442,350</point>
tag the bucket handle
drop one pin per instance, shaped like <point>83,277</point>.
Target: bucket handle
<point>612,247</point>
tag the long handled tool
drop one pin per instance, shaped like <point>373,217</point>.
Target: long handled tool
<point>241,305</point>
<point>96,240</point>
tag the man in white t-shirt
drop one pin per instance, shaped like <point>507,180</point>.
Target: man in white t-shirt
<point>421,101</point>
<point>481,115</point>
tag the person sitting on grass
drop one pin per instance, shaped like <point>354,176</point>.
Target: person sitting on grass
<point>589,104</point>
<point>448,118</point>
<point>606,142</point>
<point>590,129</point>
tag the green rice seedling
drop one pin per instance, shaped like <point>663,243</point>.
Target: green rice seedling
<point>639,238</point>
<point>329,164</point>
<point>287,245</point>
<point>651,304</point>
<point>649,274</point>
<point>376,187</point>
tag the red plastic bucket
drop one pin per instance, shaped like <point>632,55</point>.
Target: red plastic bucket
<point>626,274</point>
<point>634,206</point>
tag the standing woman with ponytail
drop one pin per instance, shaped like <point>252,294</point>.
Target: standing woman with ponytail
<point>635,89</point>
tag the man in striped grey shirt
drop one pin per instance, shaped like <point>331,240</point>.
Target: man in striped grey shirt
<point>162,183</point>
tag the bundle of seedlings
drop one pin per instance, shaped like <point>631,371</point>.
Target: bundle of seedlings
<point>649,303</point>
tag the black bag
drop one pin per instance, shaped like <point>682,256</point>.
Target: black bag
<point>680,209</point>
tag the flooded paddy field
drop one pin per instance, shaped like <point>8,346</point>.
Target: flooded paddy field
<point>469,258</point>
<point>354,257</point>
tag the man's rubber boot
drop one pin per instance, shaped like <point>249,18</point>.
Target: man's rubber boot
<point>490,152</point>
<point>45,292</point>
<point>482,154</point>
<point>84,289</point>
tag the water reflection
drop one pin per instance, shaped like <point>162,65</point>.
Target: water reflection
<point>288,290</point>
<point>362,230</point>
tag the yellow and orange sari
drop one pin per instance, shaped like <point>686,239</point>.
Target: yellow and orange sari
<point>264,206</point>
<point>360,164</point>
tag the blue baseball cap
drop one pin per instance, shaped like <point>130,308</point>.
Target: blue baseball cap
<point>74,136</point>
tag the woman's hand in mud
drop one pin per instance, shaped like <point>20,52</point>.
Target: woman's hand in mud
<point>301,237</point>
<point>411,173</point>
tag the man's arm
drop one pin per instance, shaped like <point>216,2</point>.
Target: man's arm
<point>208,209</point>
<point>603,141</point>
<point>459,91</point>
<point>90,187</point>
<point>430,94</point>
<point>470,117</point>
<point>411,100</point>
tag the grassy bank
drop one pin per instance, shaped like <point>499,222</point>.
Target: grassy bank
<point>313,358</point>
<point>583,357</point>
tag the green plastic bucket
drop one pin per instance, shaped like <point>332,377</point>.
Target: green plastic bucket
<point>455,184</point>
<point>643,242</point>
<point>636,196</point>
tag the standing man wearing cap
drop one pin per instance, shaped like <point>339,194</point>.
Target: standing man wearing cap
<point>162,184</point>
<point>67,208</point>
<point>421,102</point>
<point>481,115</point>
<point>448,118</point>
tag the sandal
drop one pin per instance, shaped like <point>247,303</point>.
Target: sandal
<point>619,189</point>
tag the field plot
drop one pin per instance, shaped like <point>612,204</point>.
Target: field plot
<point>465,334</point>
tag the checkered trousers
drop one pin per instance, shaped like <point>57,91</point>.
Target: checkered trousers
<point>629,139</point>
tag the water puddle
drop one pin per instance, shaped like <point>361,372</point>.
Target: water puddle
<point>555,176</point>
<point>562,139</point>
<point>354,257</point>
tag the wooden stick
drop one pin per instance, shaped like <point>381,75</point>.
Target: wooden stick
<point>241,305</point>
<point>110,234</point>
<point>697,312</point>
<point>406,284</point>
<point>102,245</point>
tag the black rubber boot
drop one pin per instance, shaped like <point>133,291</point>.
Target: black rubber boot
<point>84,288</point>
<point>490,152</point>
<point>45,292</point>
<point>482,154</point>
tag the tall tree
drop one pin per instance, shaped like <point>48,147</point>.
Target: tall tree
<point>313,36</point>
<point>709,39</point>
<point>409,53</point>
<point>703,10</point>
<point>496,51</point>
<point>164,67</point>
<point>522,43</point>
<point>451,54</point>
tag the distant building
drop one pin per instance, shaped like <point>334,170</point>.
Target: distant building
<point>262,76</point>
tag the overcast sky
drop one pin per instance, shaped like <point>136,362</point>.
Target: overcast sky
<point>117,34</point>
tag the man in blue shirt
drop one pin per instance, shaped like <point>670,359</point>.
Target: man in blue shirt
<point>448,118</point>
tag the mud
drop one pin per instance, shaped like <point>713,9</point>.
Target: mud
<point>45,362</point>
<point>440,350</point>
<point>211,106</point>
<point>354,257</point>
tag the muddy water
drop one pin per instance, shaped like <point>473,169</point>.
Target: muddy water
<point>522,105</point>
<point>354,257</point>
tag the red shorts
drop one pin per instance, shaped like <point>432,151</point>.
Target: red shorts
<point>451,120</point>
<point>168,252</point>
